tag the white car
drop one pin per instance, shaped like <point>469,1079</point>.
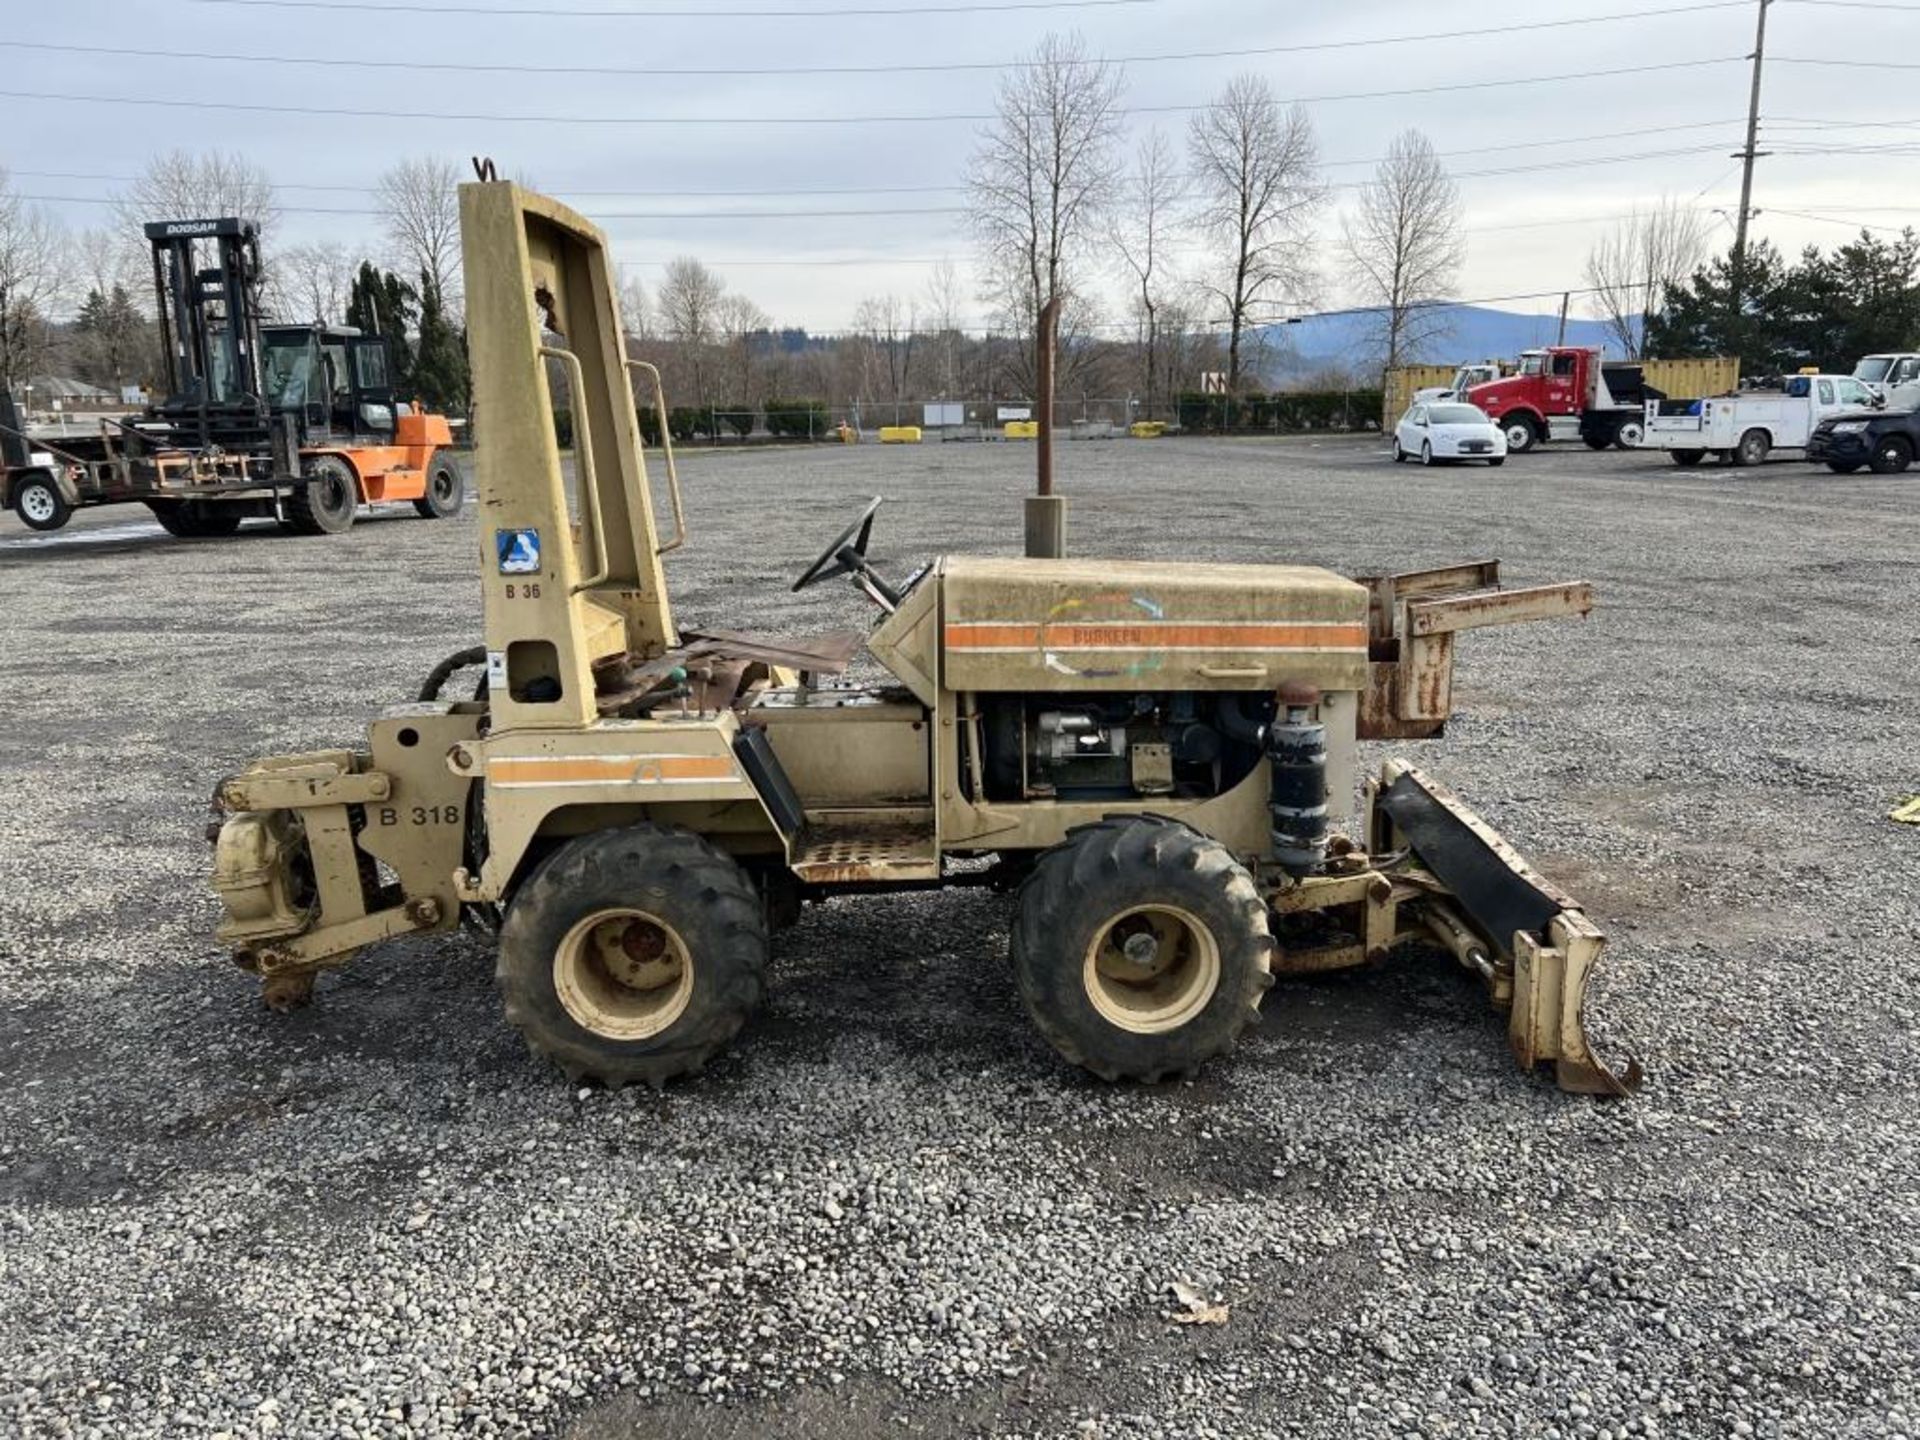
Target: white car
<point>1448,430</point>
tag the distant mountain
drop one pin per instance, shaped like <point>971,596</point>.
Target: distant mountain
<point>1473,332</point>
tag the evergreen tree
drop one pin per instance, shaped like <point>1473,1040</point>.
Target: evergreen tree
<point>112,334</point>
<point>1698,317</point>
<point>1825,310</point>
<point>440,378</point>
<point>383,304</point>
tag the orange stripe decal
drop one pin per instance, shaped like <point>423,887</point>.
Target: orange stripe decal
<point>1161,635</point>
<point>608,769</point>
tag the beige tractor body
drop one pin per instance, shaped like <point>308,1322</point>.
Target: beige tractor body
<point>1149,752</point>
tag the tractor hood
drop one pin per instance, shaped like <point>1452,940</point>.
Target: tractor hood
<point>1010,624</point>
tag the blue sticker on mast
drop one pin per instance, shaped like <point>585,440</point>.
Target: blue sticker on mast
<point>519,551</point>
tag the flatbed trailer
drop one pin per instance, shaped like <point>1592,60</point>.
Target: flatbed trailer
<point>206,492</point>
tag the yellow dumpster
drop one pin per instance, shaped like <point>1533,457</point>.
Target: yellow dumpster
<point>1022,430</point>
<point>1147,429</point>
<point>899,434</point>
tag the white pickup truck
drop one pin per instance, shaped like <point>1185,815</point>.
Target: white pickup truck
<point>1744,429</point>
<point>1894,377</point>
<point>1464,379</point>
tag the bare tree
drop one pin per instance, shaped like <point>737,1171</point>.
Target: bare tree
<point>943,314</point>
<point>111,339</point>
<point>1043,174</point>
<point>420,208</point>
<point>884,326</point>
<point>740,323</point>
<point>636,310</point>
<point>313,282</point>
<point>1014,369</point>
<point>1256,167</point>
<point>181,185</point>
<point>1403,247</point>
<point>689,305</point>
<point>1150,198</point>
<point>1188,348</point>
<point>32,271</point>
<point>102,260</point>
<point>1631,268</point>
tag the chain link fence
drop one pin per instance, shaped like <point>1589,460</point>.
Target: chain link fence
<point>1077,418</point>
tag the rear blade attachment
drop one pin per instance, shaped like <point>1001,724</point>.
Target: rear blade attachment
<point>1534,946</point>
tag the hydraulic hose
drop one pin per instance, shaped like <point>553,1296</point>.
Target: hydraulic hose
<point>441,673</point>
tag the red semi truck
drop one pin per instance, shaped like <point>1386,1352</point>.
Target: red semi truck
<point>1566,391</point>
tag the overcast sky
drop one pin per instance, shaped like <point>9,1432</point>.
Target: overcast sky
<point>1528,231</point>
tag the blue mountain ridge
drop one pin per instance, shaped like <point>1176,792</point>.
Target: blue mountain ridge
<point>1473,332</point>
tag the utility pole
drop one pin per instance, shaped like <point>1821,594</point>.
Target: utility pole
<point>1566,299</point>
<point>1748,155</point>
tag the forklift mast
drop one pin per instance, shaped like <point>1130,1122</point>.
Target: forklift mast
<point>571,572</point>
<point>206,276</point>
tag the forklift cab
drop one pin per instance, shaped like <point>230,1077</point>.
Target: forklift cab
<point>336,380</point>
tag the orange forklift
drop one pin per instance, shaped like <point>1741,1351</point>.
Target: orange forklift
<point>299,423</point>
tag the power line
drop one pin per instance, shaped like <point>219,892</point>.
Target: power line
<point>1836,220</point>
<point>1842,124</point>
<point>864,212</point>
<point>411,65</point>
<point>1846,64</point>
<point>255,108</point>
<point>926,189</point>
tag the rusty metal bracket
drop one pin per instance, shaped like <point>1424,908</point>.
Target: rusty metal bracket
<point>336,944</point>
<point>302,788</point>
<point>1411,622</point>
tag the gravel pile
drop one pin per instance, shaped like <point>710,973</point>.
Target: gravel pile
<point>891,1210</point>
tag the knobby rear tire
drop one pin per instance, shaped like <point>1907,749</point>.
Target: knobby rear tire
<point>671,874</point>
<point>195,519</point>
<point>446,492</point>
<point>1099,875</point>
<point>326,502</point>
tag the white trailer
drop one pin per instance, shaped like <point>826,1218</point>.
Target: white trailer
<point>1745,429</point>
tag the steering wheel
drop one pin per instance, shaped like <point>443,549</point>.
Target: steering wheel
<point>847,555</point>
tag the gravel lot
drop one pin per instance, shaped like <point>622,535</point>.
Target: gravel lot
<point>891,1210</point>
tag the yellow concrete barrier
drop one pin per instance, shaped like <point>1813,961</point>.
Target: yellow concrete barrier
<point>1147,429</point>
<point>899,434</point>
<point>1022,430</point>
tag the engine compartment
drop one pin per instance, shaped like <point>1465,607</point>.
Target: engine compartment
<point>1116,746</point>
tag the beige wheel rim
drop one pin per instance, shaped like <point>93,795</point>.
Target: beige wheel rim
<point>623,974</point>
<point>1152,969</point>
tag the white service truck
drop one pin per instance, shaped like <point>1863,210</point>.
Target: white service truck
<point>1743,429</point>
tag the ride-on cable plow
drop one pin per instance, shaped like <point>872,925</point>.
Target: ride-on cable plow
<point>1146,753</point>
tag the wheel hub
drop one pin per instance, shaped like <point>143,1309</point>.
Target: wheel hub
<point>37,504</point>
<point>1152,969</point>
<point>623,974</point>
<point>1141,950</point>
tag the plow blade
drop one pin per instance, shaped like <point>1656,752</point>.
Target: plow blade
<point>1532,944</point>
